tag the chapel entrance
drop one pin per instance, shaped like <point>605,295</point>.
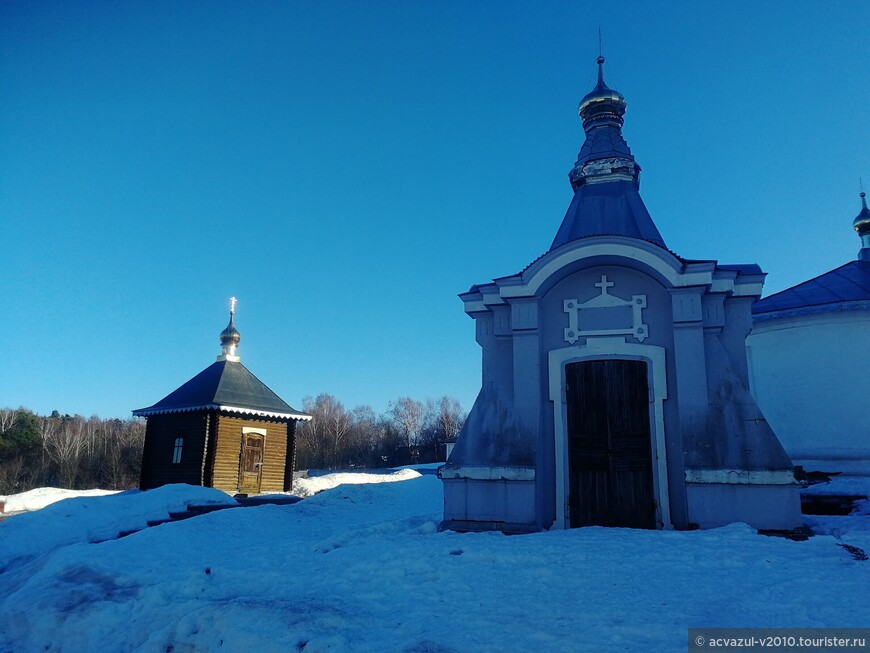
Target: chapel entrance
<point>251,464</point>
<point>609,445</point>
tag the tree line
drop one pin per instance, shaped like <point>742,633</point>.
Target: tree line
<point>68,451</point>
<point>410,431</point>
<point>72,451</point>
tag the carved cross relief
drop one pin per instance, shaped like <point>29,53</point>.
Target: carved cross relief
<point>613,310</point>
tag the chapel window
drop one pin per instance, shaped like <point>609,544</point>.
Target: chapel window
<point>176,454</point>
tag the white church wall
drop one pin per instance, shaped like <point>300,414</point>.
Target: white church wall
<point>713,504</point>
<point>807,374</point>
<point>504,496</point>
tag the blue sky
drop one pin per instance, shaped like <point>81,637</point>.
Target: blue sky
<point>346,168</point>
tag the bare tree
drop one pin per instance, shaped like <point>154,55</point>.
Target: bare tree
<point>407,414</point>
<point>443,420</point>
<point>122,459</point>
<point>451,417</point>
<point>48,426</point>
<point>365,436</point>
<point>92,429</point>
<point>7,418</point>
<point>322,441</point>
<point>65,447</point>
<point>14,476</point>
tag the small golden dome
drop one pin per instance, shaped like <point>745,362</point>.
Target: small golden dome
<point>602,100</point>
<point>861,224</point>
<point>230,337</point>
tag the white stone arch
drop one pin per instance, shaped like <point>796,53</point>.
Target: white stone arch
<point>652,259</point>
<point>601,349</point>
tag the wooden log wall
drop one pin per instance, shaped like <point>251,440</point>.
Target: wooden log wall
<point>291,455</point>
<point>161,432</point>
<point>228,448</point>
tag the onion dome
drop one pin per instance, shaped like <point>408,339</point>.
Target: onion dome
<point>605,156</point>
<point>230,337</point>
<point>602,104</point>
<point>861,224</point>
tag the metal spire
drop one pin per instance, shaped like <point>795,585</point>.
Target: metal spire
<point>600,61</point>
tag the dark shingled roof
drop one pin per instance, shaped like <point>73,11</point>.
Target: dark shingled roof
<point>848,283</point>
<point>611,208</point>
<point>224,385</point>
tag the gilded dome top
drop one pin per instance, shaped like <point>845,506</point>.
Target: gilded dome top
<point>230,337</point>
<point>602,102</point>
<point>861,223</point>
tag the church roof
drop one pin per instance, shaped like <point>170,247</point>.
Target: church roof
<point>847,283</point>
<point>228,386</point>
<point>611,209</point>
<point>837,290</point>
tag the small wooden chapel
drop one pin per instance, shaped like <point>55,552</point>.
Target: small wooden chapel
<point>224,429</point>
<point>615,385</point>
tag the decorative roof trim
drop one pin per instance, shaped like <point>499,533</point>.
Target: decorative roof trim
<point>841,307</point>
<point>302,417</point>
<point>146,412</point>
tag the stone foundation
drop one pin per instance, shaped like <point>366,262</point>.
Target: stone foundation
<point>765,507</point>
<point>489,498</point>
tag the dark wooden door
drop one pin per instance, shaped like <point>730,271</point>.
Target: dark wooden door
<point>251,463</point>
<point>609,446</point>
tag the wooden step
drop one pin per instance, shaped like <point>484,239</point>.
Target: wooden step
<point>202,510</point>
<point>269,500</point>
<point>157,522</point>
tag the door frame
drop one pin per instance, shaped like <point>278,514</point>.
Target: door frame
<point>603,349</point>
<point>246,431</point>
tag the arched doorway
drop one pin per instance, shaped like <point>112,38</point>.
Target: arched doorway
<point>652,358</point>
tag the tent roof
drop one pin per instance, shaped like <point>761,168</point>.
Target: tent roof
<point>228,386</point>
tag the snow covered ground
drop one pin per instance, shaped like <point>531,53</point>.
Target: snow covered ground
<point>44,496</point>
<point>306,487</point>
<point>363,568</point>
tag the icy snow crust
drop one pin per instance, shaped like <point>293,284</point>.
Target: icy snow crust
<point>363,568</point>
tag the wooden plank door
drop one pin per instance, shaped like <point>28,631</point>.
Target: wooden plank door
<point>251,463</point>
<point>609,445</point>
